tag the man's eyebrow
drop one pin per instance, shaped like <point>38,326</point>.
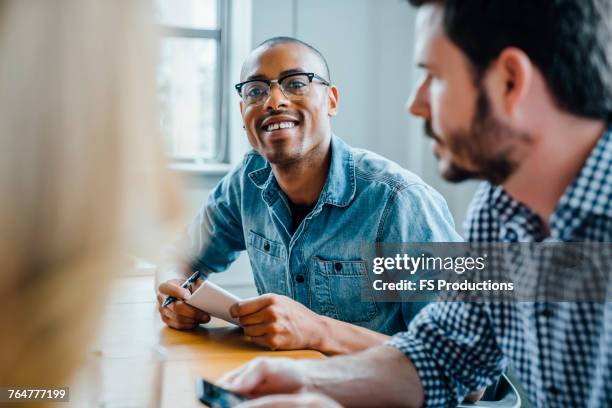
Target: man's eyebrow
<point>284,73</point>
<point>292,71</point>
<point>257,76</point>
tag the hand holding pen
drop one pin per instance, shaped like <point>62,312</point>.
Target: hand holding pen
<point>180,315</point>
<point>170,299</point>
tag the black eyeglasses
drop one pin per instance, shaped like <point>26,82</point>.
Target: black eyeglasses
<point>293,86</point>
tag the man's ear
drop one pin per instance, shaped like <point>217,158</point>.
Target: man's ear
<point>241,107</point>
<point>514,73</point>
<point>333,96</point>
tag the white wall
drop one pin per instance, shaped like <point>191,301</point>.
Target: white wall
<point>368,45</point>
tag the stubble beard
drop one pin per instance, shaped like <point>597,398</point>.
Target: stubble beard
<point>489,144</point>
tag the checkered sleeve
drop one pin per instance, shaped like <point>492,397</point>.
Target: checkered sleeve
<point>453,349</point>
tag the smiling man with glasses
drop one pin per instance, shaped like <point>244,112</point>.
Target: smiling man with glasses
<point>302,204</point>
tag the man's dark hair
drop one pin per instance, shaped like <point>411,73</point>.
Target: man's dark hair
<point>270,42</point>
<point>570,41</point>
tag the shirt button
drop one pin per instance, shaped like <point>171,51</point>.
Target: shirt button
<point>338,266</point>
<point>299,279</point>
<point>267,246</point>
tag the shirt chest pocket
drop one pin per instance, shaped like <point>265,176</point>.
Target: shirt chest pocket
<point>342,290</point>
<point>268,262</point>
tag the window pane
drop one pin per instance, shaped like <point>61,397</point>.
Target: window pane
<point>200,14</point>
<point>189,110</point>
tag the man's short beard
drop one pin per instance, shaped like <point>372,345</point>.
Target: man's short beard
<point>286,161</point>
<point>456,174</point>
<point>283,160</point>
<point>480,145</point>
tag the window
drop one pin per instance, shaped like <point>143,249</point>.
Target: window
<point>191,77</point>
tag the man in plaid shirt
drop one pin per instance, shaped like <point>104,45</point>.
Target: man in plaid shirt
<point>518,93</point>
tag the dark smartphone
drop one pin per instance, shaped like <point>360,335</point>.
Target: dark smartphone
<point>214,396</point>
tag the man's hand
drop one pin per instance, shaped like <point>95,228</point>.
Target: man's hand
<point>262,376</point>
<point>179,315</point>
<point>380,376</point>
<point>280,376</point>
<point>306,400</point>
<point>279,322</point>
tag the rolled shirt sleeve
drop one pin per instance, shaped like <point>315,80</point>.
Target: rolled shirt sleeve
<point>453,348</point>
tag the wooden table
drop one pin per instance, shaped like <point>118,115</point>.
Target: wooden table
<point>132,322</point>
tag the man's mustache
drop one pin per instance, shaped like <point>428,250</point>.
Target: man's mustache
<point>428,129</point>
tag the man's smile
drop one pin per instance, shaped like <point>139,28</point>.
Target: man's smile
<point>282,125</point>
<point>279,124</point>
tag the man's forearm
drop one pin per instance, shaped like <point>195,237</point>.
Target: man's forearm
<point>381,376</point>
<point>337,337</point>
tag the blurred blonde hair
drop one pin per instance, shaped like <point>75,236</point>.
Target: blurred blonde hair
<point>82,176</point>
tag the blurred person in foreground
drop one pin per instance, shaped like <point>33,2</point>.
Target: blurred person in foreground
<point>517,93</point>
<point>79,161</point>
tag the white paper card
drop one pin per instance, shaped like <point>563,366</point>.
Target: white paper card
<point>214,300</point>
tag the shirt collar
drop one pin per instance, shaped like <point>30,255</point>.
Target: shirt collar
<point>340,186</point>
<point>339,189</point>
<point>590,194</point>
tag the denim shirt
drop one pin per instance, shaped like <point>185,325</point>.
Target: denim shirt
<point>366,199</point>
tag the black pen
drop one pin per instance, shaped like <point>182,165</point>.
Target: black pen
<point>187,283</point>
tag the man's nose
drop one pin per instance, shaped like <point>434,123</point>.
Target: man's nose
<point>276,99</point>
<point>418,103</point>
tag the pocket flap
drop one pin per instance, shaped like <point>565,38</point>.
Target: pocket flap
<point>341,268</point>
<point>265,245</point>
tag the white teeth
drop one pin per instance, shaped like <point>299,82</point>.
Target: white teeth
<point>281,125</point>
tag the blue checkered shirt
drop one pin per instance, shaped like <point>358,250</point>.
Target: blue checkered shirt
<point>562,352</point>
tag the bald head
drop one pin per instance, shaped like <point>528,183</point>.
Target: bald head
<point>322,67</point>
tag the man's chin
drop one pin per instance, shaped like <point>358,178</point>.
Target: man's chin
<point>456,174</point>
<point>280,157</point>
<point>496,173</point>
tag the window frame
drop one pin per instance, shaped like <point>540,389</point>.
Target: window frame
<point>221,153</point>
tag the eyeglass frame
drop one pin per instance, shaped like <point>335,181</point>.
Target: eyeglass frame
<point>311,76</point>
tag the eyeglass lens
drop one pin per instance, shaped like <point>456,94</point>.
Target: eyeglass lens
<point>293,86</point>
